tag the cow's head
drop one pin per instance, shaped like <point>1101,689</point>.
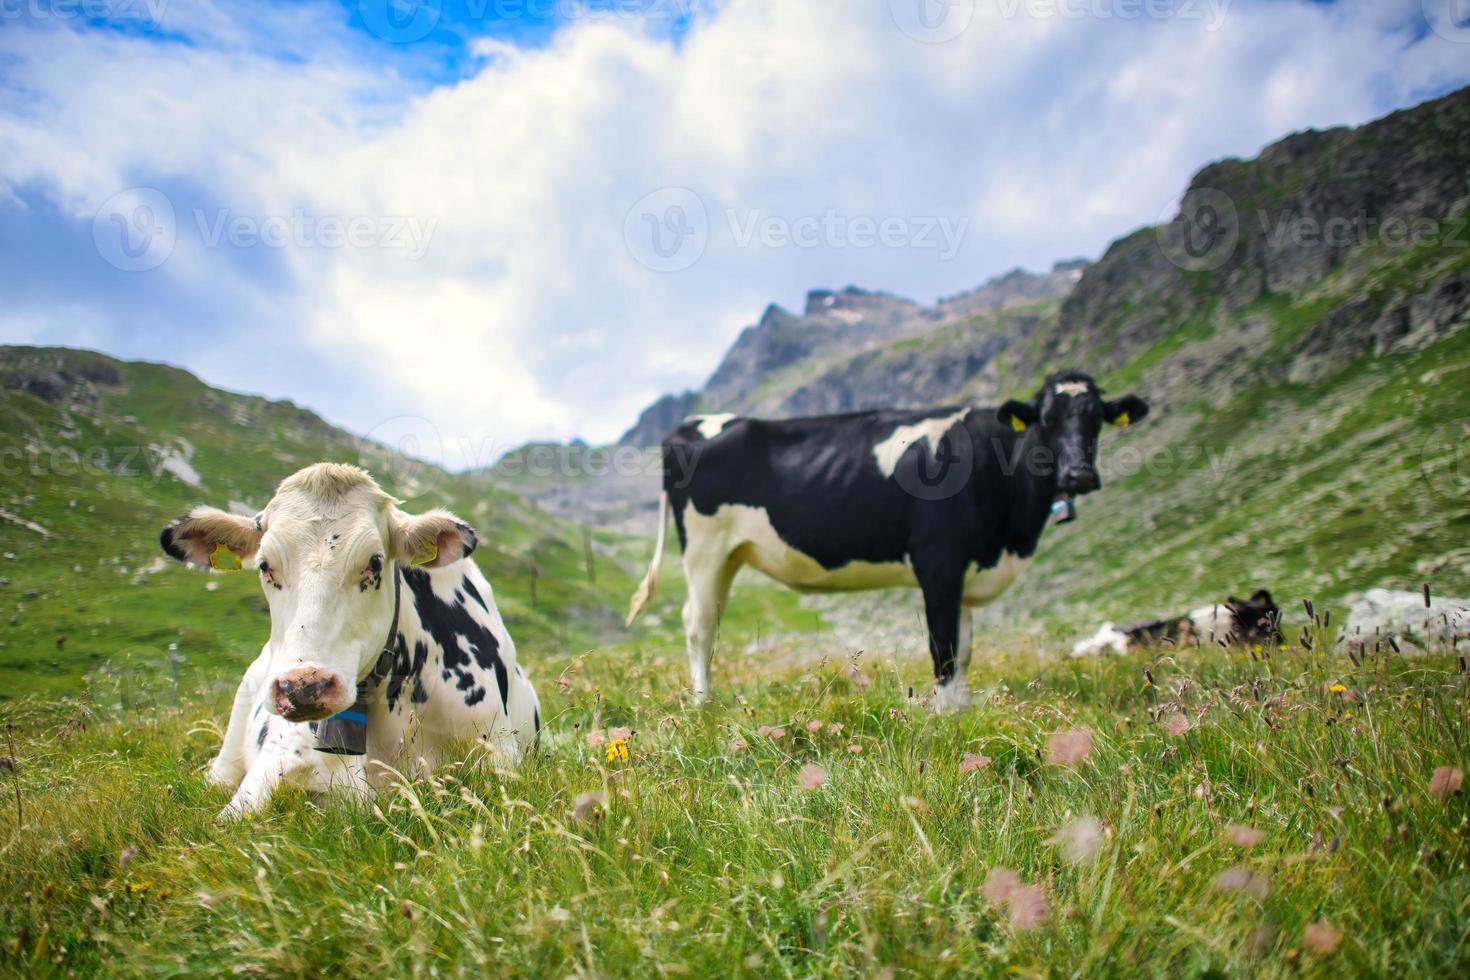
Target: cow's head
<point>1257,619</point>
<point>323,548</point>
<point>1068,412</point>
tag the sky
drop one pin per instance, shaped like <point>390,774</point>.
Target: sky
<point>482,222</point>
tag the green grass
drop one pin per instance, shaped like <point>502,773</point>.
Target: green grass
<point>701,858</point>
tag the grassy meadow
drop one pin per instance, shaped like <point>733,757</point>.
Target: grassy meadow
<point>1187,813</point>
<point>1184,813</point>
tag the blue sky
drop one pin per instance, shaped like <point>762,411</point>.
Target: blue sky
<point>515,219</point>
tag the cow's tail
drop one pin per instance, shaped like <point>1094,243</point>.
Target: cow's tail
<point>649,585</point>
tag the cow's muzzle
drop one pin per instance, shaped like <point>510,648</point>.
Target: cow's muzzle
<point>1082,479</point>
<point>310,694</point>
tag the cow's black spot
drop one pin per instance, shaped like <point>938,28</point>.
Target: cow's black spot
<point>464,643</point>
<point>265,729</point>
<point>474,593</point>
<point>407,668</point>
<point>474,697</point>
<point>471,540</point>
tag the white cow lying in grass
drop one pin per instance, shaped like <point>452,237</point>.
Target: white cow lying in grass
<point>378,618</point>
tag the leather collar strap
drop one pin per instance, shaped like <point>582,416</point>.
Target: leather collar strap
<point>384,663</point>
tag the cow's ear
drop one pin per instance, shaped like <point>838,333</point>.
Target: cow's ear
<point>210,538</point>
<point>1126,410</point>
<point>430,540</point>
<point>1017,415</point>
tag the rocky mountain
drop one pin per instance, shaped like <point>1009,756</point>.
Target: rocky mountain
<point>780,366</point>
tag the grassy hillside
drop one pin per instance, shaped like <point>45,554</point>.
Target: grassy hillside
<point>1261,467</point>
<point>90,601</point>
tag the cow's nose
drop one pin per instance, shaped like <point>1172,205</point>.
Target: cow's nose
<point>1080,481</point>
<point>308,694</point>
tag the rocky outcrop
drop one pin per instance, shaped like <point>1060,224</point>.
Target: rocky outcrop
<point>1277,225</point>
<point>67,379</point>
<point>659,419</point>
<point>1016,288</point>
<point>1372,325</point>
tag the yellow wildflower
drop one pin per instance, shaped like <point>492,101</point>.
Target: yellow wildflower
<point>617,750</point>
<point>1337,689</point>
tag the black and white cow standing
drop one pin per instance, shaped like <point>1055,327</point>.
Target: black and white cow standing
<point>357,589</point>
<point>951,500</point>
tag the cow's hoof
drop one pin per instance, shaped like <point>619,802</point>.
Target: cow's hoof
<point>949,698</point>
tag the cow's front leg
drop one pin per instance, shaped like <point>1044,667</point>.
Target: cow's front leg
<point>943,614</point>
<point>272,767</point>
<point>229,767</point>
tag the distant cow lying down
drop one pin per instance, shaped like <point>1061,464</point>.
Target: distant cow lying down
<point>1254,620</point>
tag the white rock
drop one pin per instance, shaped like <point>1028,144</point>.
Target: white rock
<point>1402,615</point>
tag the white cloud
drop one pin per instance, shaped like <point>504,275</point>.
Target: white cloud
<point>529,316</point>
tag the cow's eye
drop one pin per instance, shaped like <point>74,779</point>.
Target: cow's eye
<point>268,574</point>
<point>372,574</point>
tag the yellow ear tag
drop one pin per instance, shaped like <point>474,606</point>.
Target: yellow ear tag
<point>1122,419</point>
<point>426,555</point>
<point>222,559</point>
<point>1017,424</point>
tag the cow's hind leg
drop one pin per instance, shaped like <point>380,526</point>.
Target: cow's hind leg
<point>708,572</point>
